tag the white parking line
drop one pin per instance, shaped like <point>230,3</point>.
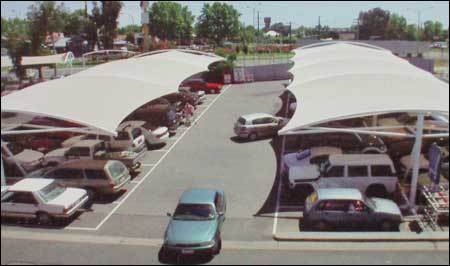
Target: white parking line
<point>151,170</point>
<point>147,164</point>
<point>158,150</point>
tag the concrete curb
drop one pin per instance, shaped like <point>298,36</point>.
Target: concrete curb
<point>362,237</point>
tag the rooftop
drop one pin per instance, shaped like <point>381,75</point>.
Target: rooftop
<point>339,194</point>
<point>198,196</point>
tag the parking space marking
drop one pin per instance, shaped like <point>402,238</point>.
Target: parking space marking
<point>160,150</point>
<point>147,165</point>
<point>139,183</point>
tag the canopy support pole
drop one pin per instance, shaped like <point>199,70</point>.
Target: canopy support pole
<point>11,155</point>
<point>416,160</point>
<point>3,180</point>
<point>375,120</point>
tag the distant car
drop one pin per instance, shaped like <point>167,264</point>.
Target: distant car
<point>182,98</point>
<point>347,208</point>
<point>201,94</point>
<point>30,160</point>
<point>43,199</point>
<point>154,135</point>
<point>95,176</point>
<point>195,227</point>
<point>254,126</point>
<point>372,174</point>
<point>201,85</point>
<point>312,156</point>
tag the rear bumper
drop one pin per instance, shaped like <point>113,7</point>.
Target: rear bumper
<point>204,250</point>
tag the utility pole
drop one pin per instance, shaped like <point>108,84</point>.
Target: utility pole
<point>145,20</point>
<point>85,10</point>
<point>319,29</point>
<point>290,32</point>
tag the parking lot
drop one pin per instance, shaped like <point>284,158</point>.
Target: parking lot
<point>205,155</point>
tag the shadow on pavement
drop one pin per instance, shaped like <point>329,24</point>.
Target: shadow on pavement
<point>183,260</point>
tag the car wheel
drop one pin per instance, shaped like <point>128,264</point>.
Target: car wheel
<point>387,226</point>
<point>323,227</point>
<point>218,247</point>
<point>43,218</point>
<point>253,136</point>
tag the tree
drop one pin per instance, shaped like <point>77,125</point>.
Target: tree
<point>17,47</point>
<point>218,22</point>
<point>130,28</point>
<point>44,18</point>
<point>130,37</point>
<point>109,14</point>
<point>18,25</point>
<point>74,22</point>
<point>411,33</point>
<point>171,21</point>
<point>396,28</point>
<point>373,23</point>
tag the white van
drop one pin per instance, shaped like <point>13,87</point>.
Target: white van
<point>372,174</point>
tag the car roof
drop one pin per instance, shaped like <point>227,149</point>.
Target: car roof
<point>87,143</point>
<point>250,117</point>
<point>84,164</point>
<point>131,124</point>
<point>339,194</point>
<point>358,159</point>
<point>31,184</point>
<point>198,196</point>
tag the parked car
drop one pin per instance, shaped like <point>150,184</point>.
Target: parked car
<point>129,138</point>
<point>348,142</point>
<point>43,199</point>
<point>372,174</point>
<point>347,208</point>
<point>181,98</point>
<point>154,135</point>
<point>254,126</point>
<point>94,150</point>
<point>29,159</point>
<point>201,85</point>
<point>95,176</point>
<point>312,156</point>
<point>195,227</point>
<point>200,94</point>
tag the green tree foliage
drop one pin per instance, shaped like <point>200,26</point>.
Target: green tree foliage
<point>44,18</point>
<point>218,22</point>
<point>18,25</point>
<point>17,47</point>
<point>396,28</point>
<point>411,33</point>
<point>130,28</point>
<point>74,22</point>
<point>373,23</point>
<point>171,21</point>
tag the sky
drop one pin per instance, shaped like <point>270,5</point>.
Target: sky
<point>332,13</point>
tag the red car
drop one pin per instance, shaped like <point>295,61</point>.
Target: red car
<point>201,85</point>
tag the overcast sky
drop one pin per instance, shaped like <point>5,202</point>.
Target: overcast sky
<point>334,14</point>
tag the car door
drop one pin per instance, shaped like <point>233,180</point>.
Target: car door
<point>358,177</point>
<point>22,203</point>
<point>258,126</point>
<point>358,214</point>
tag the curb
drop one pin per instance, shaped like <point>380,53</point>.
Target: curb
<point>362,237</point>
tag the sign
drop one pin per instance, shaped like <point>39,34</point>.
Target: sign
<point>435,156</point>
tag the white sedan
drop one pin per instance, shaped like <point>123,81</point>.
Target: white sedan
<point>312,156</point>
<point>41,198</point>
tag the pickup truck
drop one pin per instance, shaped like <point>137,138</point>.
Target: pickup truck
<point>93,149</point>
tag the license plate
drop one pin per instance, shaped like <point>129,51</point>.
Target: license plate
<point>187,252</point>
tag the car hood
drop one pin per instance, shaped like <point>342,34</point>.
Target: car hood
<point>28,156</point>
<point>189,232</point>
<point>69,197</point>
<point>291,160</point>
<point>304,173</point>
<point>386,206</point>
<point>57,153</point>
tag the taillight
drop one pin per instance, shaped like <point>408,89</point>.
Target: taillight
<point>66,210</point>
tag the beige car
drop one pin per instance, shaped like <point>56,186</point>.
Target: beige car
<point>96,176</point>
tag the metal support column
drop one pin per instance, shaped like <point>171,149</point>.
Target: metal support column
<point>416,160</point>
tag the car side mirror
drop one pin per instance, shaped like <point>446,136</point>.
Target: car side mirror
<point>221,213</point>
<point>169,215</point>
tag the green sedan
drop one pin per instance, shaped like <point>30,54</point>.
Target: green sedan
<point>195,227</point>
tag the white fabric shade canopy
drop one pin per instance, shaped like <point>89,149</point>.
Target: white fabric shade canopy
<point>332,83</point>
<point>101,97</point>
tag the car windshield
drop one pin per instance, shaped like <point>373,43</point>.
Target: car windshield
<point>51,191</point>
<point>117,169</point>
<point>370,203</point>
<point>194,212</point>
<point>242,121</point>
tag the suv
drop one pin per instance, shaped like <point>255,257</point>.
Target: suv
<point>94,150</point>
<point>372,174</point>
<point>201,85</point>
<point>258,125</point>
<point>195,227</point>
<point>348,208</point>
<point>128,139</point>
<point>43,199</point>
<point>96,176</point>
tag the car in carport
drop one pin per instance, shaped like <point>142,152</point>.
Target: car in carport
<point>29,159</point>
